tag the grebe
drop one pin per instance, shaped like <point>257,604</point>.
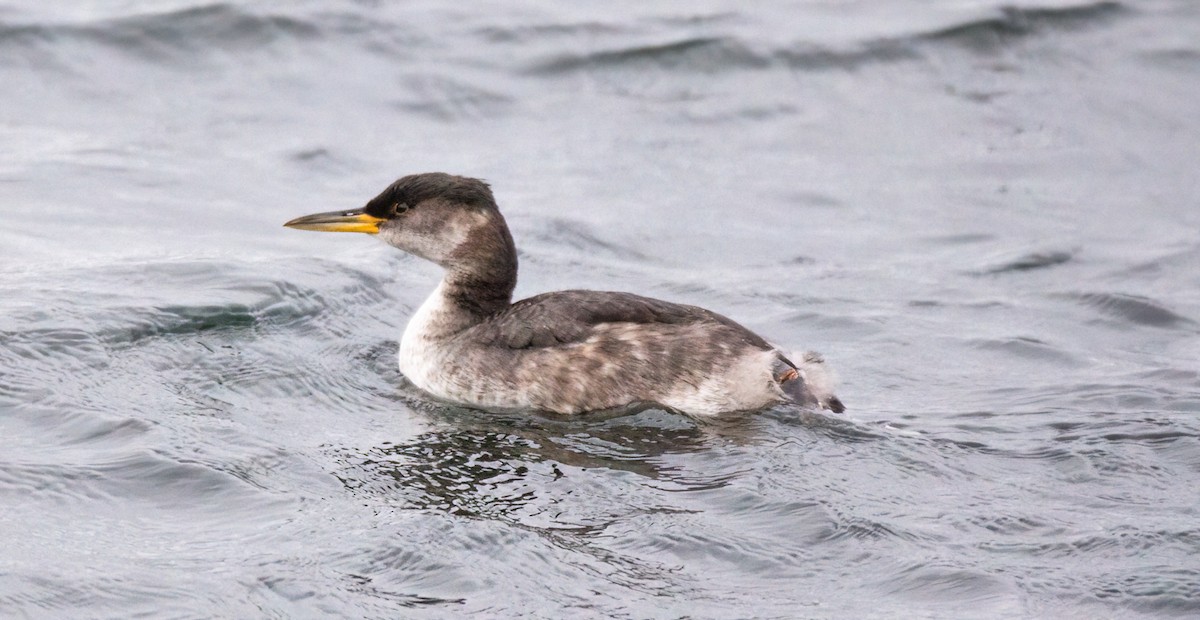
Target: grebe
<point>565,352</point>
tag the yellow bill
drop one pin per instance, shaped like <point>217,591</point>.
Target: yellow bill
<point>338,221</point>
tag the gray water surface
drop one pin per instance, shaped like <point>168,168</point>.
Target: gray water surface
<point>985,216</point>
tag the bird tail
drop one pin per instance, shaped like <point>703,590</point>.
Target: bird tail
<point>809,382</point>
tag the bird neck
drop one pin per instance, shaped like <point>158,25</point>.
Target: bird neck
<point>468,294</point>
<point>456,304</point>
<point>481,272</point>
<point>480,275</point>
<point>478,293</point>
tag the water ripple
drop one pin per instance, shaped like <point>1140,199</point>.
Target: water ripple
<point>1014,22</point>
<point>1134,309</point>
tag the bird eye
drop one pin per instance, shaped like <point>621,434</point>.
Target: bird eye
<point>399,208</point>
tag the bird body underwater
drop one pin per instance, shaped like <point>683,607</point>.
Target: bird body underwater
<point>564,352</point>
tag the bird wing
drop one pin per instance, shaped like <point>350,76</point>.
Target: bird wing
<point>565,317</point>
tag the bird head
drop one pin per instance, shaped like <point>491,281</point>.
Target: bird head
<point>447,219</point>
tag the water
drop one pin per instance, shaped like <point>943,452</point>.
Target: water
<point>985,217</point>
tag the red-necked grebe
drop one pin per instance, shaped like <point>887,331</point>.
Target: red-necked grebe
<point>564,352</point>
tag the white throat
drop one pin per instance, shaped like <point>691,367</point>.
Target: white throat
<point>426,338</point>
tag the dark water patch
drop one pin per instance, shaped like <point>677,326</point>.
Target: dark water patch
<point>747,113</point>
<point>974,415</point>
<point>323,160</point>
<point>850,528</point>
<point>19,36</point>
<point>1165,265</point>
<point>633,443</point>
<point>317,154</point>
<point>1029,348</point>
<point>618,419</point>
<point>171,35</point>
<point>280,306</point>
<point>838,428</point>
<point>536,32</point>
<point>221,25</point>
<point>702,54</point>
<point>1128,541</point>
<point>1149,438</point>
<point>546,474</point>
<point>1030,262</point>
<point>702,19</point>
<point>1128,428</point>
<point>373,587</point>
<point>380,358</point>
<point>327,162</point>
<point>619,446</point>
<point>508,503</point>
<point>849,326</point>
<point>1133,309</point>
<point>1157,589</point>
<point>451,100</point>
<point>989,34</point>
<point>178,320</point>
<point>1008,525</point>
<point>724,54</point>
<point>962,238</point>
<point>816,58</point>
<point>463,474</point>
<point>977,96</point>
<point>1186,59</point>
<point>727,53</point>
<point>168,482</point>
<point>812,199</point>
<point>689,290</point>
<point>581,238</point>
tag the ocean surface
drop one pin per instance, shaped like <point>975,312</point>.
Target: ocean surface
<point>986,215</point>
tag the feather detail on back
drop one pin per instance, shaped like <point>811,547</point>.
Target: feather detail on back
<point>566,317</point>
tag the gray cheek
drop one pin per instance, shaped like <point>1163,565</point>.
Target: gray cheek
<point>413,242</point>
<point>388,234</point>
